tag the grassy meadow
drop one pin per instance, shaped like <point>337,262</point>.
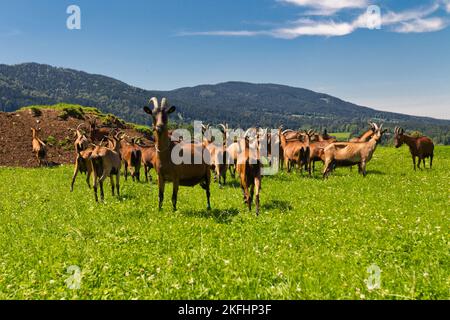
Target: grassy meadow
<point>314,239</point>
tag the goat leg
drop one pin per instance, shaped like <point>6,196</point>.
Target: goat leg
<point>118,183</point>
<point>174,195</point>
<point>88,176</point>
<point>161,185</point>
<point>95,182</point>
<point>250,200</point>
<point>102,194</point>
<point>111,178</point>
<point>363,168</point>
<point>258,188</point>
<point>205,185</point>
<point>126,170</point>
<point>74,175</point>
<point>146,173</point>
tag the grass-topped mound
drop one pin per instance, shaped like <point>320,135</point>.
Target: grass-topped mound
<point>56,124</point>
<point>65,110</point>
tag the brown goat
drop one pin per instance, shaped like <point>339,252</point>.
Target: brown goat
<point>148,160</point>
<point>232,153</point>
<point>341,154</point>
<point>97,134</point>
<point>296,151</point>
<point>131,155</point>
<point>316,152</point>
<point>39,148</point>
<point>106,162</point>
<point>184,174</point>
<point>82,162</point>
<point>249,171</point>
<point>217,153</point>
<point>422,147</point>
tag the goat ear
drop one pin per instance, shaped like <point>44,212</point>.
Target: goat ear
<point>148,110</point>
<point>171,109</point>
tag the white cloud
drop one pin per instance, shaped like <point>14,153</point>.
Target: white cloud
<point>422,25</point>
<point>314,28</point>
<point>393,17</point>
<point>417,20</point>
<point>447,5</point>
<point>328,7</point>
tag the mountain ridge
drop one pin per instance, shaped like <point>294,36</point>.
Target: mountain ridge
<point>235,102</point>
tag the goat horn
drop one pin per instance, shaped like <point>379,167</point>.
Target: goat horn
<point>155,102</point>
<point>376,126</point>
<point>223,126</point>
<point>164,102</point>
<point>287,130</point>
<point>246,132</point>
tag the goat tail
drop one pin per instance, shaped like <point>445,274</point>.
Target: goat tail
<point>253,167</point>
<point>97,166</point>
<point>136,156</point>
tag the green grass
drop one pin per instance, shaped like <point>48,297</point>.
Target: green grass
<point>62,107</point>
<point>314,239</point>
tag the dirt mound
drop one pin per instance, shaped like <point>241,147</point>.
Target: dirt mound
<point>15,137</point>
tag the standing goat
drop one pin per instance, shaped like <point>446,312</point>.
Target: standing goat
<point>342,154</point>
<point>97,134</point>
<point>316,152</point>
<point>39,148</point>
<point>131,155</point>
<point>422,147</point>
<point>106,162</point>
<point>82,154</point>
<point>148,160</point>
<point>249,171</point>
<point>217,151</point>
<point>184,174</point>
<point>296,151</point>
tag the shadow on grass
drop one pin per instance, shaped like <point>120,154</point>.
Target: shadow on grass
<point>220,216</point>
<point>376,172</point>
<point>277,204</point>
<point>233,183</point>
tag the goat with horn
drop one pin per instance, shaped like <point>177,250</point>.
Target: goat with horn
<point>183,174</point>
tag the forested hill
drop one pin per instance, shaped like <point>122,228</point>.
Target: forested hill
<point>238,103</point>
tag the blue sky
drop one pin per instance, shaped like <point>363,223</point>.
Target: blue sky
<point>323,45</point>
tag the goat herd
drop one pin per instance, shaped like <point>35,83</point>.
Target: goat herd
<point>103,153</point>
